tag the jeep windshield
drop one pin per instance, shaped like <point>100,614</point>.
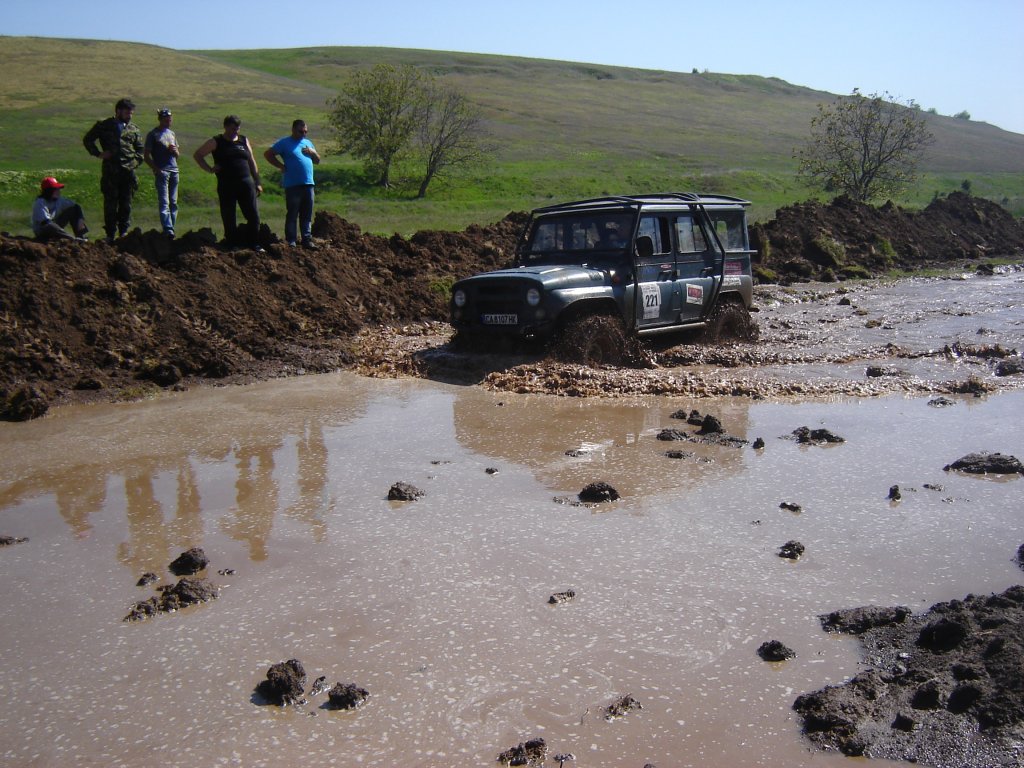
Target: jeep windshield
<point>578,238</point>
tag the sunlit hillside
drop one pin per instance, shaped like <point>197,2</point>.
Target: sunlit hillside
<point>559,130</point>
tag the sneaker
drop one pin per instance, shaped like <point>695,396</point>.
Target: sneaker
<point>309,245</point>
<point>259,249</point>
<point>82,239</point>
<point>292,243</point>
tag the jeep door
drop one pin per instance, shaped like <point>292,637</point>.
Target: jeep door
<point>697,265</point>
<point>657,299</point>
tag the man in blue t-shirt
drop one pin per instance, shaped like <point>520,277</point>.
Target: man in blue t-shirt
<point>161,155</point>
<point>298,156</point>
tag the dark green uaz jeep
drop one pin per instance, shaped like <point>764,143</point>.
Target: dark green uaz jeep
<point>593,273</point>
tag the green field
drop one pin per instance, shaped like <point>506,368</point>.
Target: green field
<point>560,131</point>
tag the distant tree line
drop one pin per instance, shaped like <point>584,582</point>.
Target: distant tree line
<point>392,112</point>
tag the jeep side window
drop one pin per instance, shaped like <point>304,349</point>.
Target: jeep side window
<point>656,228</point>
<point>731,229</point>
<point>689,235</point>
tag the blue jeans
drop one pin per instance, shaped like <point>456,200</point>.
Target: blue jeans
<point>298,202</point>
<point>167,198</point>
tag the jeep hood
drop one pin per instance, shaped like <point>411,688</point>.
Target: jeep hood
<point>551,276</point>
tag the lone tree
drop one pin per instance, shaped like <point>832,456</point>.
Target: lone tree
<point>864,147</point>
<point>376,114</point>
<point>450,134</point>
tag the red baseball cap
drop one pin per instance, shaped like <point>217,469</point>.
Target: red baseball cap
<point>51,183</point>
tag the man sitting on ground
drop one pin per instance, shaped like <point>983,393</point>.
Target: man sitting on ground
<point>51,213</point>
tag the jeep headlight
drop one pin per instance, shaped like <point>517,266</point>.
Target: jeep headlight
<point>459,298</point>
<point>533,297</point>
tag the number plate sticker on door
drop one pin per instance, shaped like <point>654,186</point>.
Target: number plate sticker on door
<point>500,319</point>
<point>694,294</point>
<point>651,295</point>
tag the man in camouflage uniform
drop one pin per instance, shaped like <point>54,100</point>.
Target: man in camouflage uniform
<point>121,149</point>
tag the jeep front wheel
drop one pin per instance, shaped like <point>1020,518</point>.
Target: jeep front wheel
<point>591,340</point>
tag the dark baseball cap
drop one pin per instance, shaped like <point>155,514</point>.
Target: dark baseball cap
<point>163,112</point>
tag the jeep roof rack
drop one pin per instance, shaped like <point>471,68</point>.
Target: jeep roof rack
<point>639,200</point>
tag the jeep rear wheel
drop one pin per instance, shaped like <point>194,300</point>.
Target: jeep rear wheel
<point>591,340</point>
<point>730,321</point>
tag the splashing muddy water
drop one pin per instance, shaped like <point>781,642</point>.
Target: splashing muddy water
<point>439,607</point>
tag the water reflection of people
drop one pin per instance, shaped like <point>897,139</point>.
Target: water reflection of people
<point>152,540</point>
<point>311,476</point>
<point>79,492</point>
<point>169,488</point>
<point>255,498</point>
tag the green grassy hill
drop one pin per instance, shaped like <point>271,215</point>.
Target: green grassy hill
<point>561,130</point>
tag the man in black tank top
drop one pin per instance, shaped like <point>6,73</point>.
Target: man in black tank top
<point>238,183</point>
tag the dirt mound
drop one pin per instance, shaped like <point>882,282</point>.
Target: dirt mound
<point>96,321</point>
<point>87,320</point>
<point>846,239</point>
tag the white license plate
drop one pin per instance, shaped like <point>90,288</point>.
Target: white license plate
<point>500,319</point>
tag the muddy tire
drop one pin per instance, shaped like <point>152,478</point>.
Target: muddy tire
<point>591,340</point>
<point>730,321</point>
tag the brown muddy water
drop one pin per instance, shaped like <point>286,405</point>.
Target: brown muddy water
<point>439,607</point>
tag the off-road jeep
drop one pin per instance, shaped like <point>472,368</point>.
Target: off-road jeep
<point>592,273</point>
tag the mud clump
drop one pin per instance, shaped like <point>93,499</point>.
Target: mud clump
<point>347,696</point>
<point>598,493</point>
<point>944,688</point>
<point>987,463</point>
<point>10,541</point>
<point>792,550</point>
<point>775,650</point>
<point>285,683</point>
<point>621,707</point>
<point>808,436</point>
<point>401,491</point>
<point>857,621</point>
<point>562,597</point>
<point>24,404</point>
<point>189,562</point>
<point>188,591</point>
<point>530,753</point>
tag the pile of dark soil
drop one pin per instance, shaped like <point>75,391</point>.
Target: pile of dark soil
<point>846,239</point>
<point>93,321</point>
<point>945,688</point>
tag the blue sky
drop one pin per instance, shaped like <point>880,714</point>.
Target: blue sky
<point>944,54</point>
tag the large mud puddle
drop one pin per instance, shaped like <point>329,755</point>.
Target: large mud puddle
<point>439,607</point>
